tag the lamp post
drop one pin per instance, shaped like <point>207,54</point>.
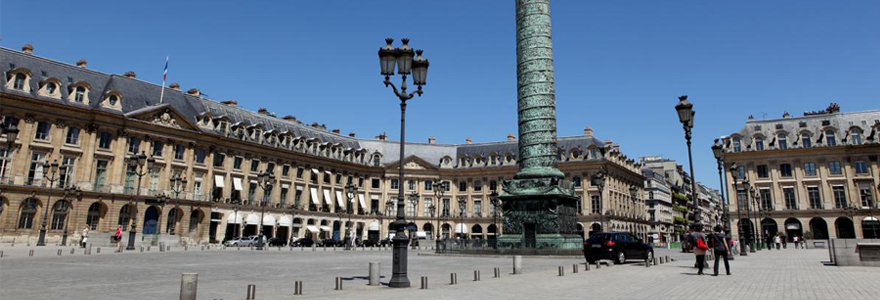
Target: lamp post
<point>11,133</point>
<point>389,206</point>
<point>759,233</point>
<point>462,205</point>
<point>718,151</point>
<point>438,195</point>
<point>178,184</point>
<point>414,200</point>
<point>496,204</point>
<point>739,207</point>
<point>633,193</point>
<point>401,58</point>
<point>52,176</point>
<point>266,180</point>
<point>599,178</point>
<point>236,205</point>
<point>77,194</point>
<point>686,116</point>
<point>137,164</point>
<point>350,191</point>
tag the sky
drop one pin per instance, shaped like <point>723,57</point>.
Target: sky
<point>620,65</point>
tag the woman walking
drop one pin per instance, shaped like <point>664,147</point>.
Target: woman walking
<point>721,249</point>
<point>778,241</point>
<point>118,238</point>
<point>85,237</point>
<point>700,247</point>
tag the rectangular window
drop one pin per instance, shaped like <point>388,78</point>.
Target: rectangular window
<point>428,203</point>
<point>478,186</point>
<point>285,171</point>
<point>478,207</point>
<point>297,196</point>
<point>284,190</point>
<point>785,170</point>
<point>790,201</point>
<point>65,174</point>
<point>326,177</point>
<point>197,184</point>
<point>866,197</point>
<point>104,140</point>
<point>861,167</point>
<point>462,186</point>
<point>737,144</point>
<point>834,168</point>
<point>762,171</point>
<point>839,196</point>
<point>252,191</point>
<point>411,185</point>
<point>810,169</point>
<point>759,144</point>
<point>595,204</point>
<point>134,145</point>
<point>158,147</point>
<point>179,151</point>
<point>270,167</point>
<point>200,156</point>
<point>493,185</point>
<point>395,184</point>
<point>815,197</point>
<point>255,164</point>
<point>338,179</point>
<point>374,183</point>
<point>805,141</point>
<point>130,178</point>
<point>766,199</point>
<point>5,162</point>
<point>218,159</point>
<point>42,132</point>
<point>445,212</point>
<point>154,180</point>
<point>72,136</point>
<point>35,173</point>
<point>410,209</point>
<point>299,173</point>
<point>429,185</point>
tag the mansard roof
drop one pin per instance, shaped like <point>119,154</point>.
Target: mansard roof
<point>815,124</point>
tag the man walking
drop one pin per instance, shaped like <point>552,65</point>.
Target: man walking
<point>721,249</point>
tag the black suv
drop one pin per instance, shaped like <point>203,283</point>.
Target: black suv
<point>616,246</point>
<point>303,242</point>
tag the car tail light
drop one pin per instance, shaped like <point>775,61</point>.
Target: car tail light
<point>586,243</point>
<point>609,244</point>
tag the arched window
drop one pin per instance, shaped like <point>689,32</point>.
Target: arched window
<point>28,212</point>
<point>51,87</point>
<point>806,142</point>
<point>112,100</point>
<point>830,139</point>
<point>59,214</point>
<point>124,217</point>
<point>171,224</point>
<point>20,78</point>
<point>377,160</point>
<point>782,140</point>
<point>79,94</point>
<point>194,217</point>
<point>93,217</point>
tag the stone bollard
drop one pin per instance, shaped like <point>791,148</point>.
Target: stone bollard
<point>497,272</point>
<point>517,264</point>
<point>598,265</point>
<point>99,250</point>
<point>71,250</point>
<point>587,266</point>
<point>561,271</point>
<point>167,248</point>
<point>656,261</point>
<point>314,248</point>
<point>161,246</point>
<point>298,288</point>
<point>476,275</point>
<point>424,282</point>
<point>375,266</point>
<point>148,248</point>
<point>1,253</point>
<point>88,250</point>
<point>453,278</point>
<point>59,252</point>
<point>142,248</point>
<point>185,247</point>
<point>574,268</point>
<point>252,292</point>
<point>189,283</point>
<point>647,264</point>
<point>31,253</point>
<point>667,258</point>
<point>338,283</point>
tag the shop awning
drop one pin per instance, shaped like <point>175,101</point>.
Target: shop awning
<point>361,200</point>
<point>312,228</point>
<point>268,220</point>
<point>326,228</point>
<point>313,193</point>
<point>236,183</point>
<point>233,218</point>
<point>870,219</point>
<point>219,181</point>
<point>253,219</point>
<point>285,221</point>
<point>421,234</point>
<point>339,199</point>
<point>374,226</point>
<point>461,228</point>
<point>315,171</point>
<point>327,197</point>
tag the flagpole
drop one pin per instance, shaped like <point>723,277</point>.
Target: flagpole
<point>164,74</point>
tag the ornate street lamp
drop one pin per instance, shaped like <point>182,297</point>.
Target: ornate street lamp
<point>633,193</point>
<point>350,191</point>
<point>266,180</point>
<point>462,205</point>
<point>139,165</point>
<point>686,116</point>
<point>718,151</point>
<point>438,195</point>
<point>402,57</point>
<point>52,176</point>
<point>70,192</point>
<point>414,200</point>
<point>739,207</point>
<point>758,213</point>
<point>496,204</point>
<point>599,179</point>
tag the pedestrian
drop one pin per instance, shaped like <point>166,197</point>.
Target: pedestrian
<point>700,247</point>
<point>797,242</point>
<point>85,237</point>
<point>803,242</point>
<point>721,249</point>
<point>784,241</point>
<point>118,238</point>
<point>778,241</point>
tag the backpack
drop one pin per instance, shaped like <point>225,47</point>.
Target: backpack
<point>701,244</point>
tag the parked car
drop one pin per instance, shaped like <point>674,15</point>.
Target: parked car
<point>242,242</point>
<point>273,242</point>
<point>616,246</point>
<point>371,243</point>
<point>303,242</point>
<point>331,242</point>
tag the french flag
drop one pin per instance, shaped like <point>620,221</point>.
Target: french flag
<point>165,73</point>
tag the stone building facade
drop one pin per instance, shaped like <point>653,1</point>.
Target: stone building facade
<point>92,123</point>
<point>815,175</point>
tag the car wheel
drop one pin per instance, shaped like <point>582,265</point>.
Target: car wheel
<point>234,244</point>
<point>621,257</point>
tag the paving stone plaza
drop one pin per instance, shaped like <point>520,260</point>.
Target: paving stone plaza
<point>225,274</point>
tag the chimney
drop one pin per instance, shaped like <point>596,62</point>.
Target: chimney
<point>175,86</point>
<point>785,115</point>
<point>130,74</point>
<point>290,118</point>
<point>432,140</point>
<point>468,141</point>
<point>231,103</point>
<point>315,125</point>
<point>382,137</point>
<point>588,131</point>
<point>351,134</point>
<point>195,92</point>
<point>81,63</point>
<point>336,131</point>
<point>510,137</point>
<point>27,49</point>
<point>263,111</point>
<point>751,117</point>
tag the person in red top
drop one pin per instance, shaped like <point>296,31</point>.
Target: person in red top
<point>118,238</point>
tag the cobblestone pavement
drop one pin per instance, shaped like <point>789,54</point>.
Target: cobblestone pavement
<point>225,274</point>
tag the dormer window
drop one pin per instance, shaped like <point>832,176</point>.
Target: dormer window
<point>112,100</point>
<point>856,137</point>
<point>805,140</point>
<point>783,141</point>
<point>51,88</point>
<point>20,80</point>
<point>79,94</point>
<point>830,139</point>
<point>759,144</point>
